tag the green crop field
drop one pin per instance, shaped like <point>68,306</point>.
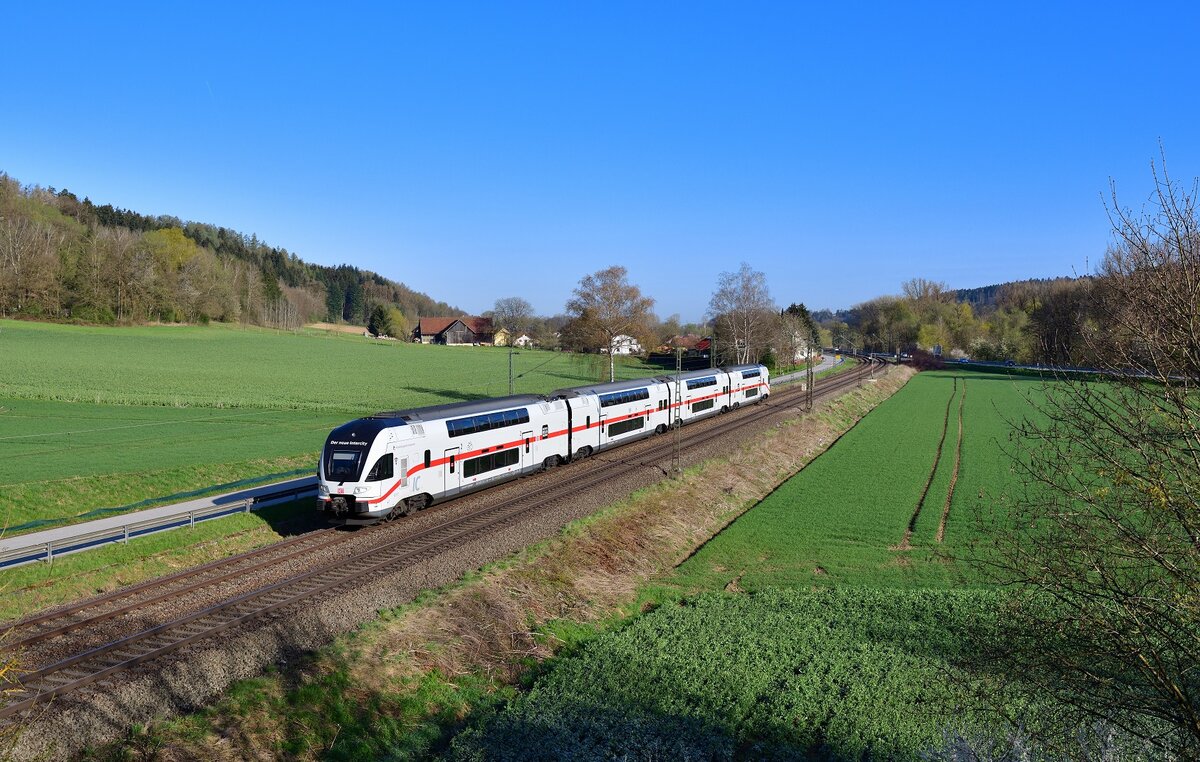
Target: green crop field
<point>808,628</point>
<point>99,419</point>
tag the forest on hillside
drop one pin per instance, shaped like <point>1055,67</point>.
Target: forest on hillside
<point>65,258</point>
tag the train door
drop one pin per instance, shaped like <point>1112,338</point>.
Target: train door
<point>452,471</point>
<point>527,440</point>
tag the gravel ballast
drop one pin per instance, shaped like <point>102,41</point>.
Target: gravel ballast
<point>201,672</point>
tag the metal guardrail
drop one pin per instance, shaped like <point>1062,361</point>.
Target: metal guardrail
<point>48,551</point>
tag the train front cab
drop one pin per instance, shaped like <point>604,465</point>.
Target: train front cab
<point>364,469</point>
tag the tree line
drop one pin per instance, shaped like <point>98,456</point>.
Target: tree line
<point>743,321</point>
<point>66,258</point>
<point>1031,321</point>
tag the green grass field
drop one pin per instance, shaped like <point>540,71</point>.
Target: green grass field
<point>805,629</point>
<point>108,418</point>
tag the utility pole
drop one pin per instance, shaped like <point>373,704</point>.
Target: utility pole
<point>677,411</point>
<point>511,378</point>
<point>809,375</point>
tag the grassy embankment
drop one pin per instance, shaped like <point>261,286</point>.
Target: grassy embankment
<point>406,683</point>
<point>809,627</point>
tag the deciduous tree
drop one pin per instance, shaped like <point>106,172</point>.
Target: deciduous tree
<point>606,305</point>
<point>514,315</point>
<point>743,312</point>
<point>1102,547</point>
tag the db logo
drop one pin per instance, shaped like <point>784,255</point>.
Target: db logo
<point>341,490</point>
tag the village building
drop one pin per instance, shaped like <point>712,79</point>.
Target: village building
<point>692,345</point>
<point>449,330</point>
<point>624,345</point>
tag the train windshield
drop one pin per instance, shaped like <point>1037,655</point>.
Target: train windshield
<point>343,465</point>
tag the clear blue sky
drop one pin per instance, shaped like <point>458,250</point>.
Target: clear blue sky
<point>475,151</point>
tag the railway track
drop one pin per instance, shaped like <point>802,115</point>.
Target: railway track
<point>383,552</point>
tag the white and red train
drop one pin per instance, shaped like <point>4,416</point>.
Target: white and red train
<point>391,463</point>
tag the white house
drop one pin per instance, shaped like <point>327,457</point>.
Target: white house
<point>624,345</point>
<point>524,340</point>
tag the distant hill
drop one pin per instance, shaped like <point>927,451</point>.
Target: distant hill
<point>985,299</point>
<point>72,258</point>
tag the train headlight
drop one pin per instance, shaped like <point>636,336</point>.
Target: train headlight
<point>361,490</point>
<point>322,490</point>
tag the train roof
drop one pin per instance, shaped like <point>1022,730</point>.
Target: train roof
<point>739,368</point>
<point>611,386</point>
<point>685,375</point>
<point>455,409</point>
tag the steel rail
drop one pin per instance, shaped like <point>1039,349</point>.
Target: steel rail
<point>96,664</point>
<point>163,586</point>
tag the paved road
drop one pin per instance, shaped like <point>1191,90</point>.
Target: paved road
<point>15,548</point>
<point>827,362</point>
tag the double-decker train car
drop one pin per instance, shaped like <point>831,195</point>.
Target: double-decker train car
<point>707,392</point>
<point>748,384</point>
<point>606,415</point>
<point>391,463</point>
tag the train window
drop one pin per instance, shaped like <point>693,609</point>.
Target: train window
<point>588,422</point>
<point>621,398</point>
<point>545,431</point>
<point>485,463</point>
<point>486,421</point>
<point>382,469</point>
<point>343,465</point>
<point>427,459</point>
<point>698,406</point>
<point>526,444</point>
<point>752,392</point>
<point>750,374</point>
<point>624,427</point>
<point>451,464</point>
<point>697,383</point>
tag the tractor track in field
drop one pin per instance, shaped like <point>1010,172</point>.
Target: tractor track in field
<point>962,401</point>
<point>906,542</point>
<point>112,639</point>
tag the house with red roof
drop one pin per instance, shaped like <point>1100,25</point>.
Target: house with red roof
<point>454,330</point>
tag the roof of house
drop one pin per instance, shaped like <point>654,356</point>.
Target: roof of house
<point>478,324</point>
<point>691,341</point>
<point>435,325</point>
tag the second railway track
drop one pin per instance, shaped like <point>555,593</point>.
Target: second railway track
<point>381,553</point>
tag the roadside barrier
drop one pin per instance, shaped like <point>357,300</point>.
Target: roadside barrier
<point>26,549</point>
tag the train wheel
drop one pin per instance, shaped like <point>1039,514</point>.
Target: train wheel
<point>661,429</point>
<point>582,453</point>
<point>550,463</point>
<point>725,408</point>
<point>736,405</point>
<point>416,503</point>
